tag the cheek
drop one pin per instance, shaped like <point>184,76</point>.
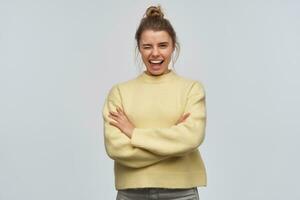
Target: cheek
<point>144,57</point>
<point>144,54</point>
<point>168,54</point>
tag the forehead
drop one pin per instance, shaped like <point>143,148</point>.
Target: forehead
<point>150,36</point>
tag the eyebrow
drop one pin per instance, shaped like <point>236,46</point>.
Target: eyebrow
<point>158,43</point>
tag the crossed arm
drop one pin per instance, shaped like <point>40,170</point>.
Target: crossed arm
<point>139,147</point>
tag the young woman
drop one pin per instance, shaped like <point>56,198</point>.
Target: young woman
<point>154,123</point>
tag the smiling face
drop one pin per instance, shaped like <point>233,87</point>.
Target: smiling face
<point>156,48</point>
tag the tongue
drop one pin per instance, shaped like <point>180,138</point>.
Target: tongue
<point>155,65</point>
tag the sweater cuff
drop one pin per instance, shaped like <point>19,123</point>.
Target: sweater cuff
<point>136,137</point>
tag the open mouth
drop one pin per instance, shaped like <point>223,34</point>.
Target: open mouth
<point>156,62</point>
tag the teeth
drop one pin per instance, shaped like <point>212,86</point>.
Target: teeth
<point>156,61</point>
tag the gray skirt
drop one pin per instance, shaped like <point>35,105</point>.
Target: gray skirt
<point>158,194</point>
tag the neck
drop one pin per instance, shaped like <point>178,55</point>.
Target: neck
<point>161,78</point>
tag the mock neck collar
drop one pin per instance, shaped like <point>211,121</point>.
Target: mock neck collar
<point>157,79</point>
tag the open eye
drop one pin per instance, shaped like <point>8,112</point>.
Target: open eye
<point>163,46</point>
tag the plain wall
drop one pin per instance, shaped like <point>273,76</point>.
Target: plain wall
<point>59,58</point>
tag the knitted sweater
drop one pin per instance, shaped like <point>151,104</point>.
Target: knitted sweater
<point>159,153</point>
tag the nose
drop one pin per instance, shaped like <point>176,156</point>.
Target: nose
<point>155,52</point>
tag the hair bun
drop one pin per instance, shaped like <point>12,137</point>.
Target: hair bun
<point>154,11</point>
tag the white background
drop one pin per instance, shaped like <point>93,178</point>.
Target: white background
<point>59,58</point>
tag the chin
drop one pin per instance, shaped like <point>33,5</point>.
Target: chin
<point>158,72</point>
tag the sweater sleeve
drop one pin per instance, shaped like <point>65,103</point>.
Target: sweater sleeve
<point>179,139</point>
<point>117,144</point>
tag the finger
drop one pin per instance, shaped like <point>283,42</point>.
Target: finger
<point>113,113</point>
<point>113,117</point>
<point>185,116</point>
<point>114,124</point>
<point>181,118</point>
<point>121,113</point>
<point>120,110</point>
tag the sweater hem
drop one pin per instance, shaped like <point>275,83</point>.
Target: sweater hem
<point>163,180</point>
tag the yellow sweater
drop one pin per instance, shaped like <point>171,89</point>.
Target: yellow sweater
<point>159,153</point>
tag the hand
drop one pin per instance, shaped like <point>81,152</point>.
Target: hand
<point>182,118</point>
<point>122,122</point>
